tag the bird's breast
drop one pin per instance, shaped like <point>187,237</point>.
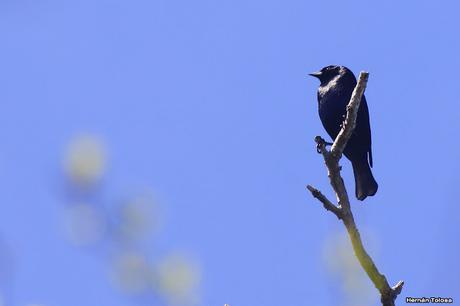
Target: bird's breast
<point>332,102</point>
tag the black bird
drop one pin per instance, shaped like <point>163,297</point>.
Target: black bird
<point>334,93</point>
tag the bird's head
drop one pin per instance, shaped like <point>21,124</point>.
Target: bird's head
<point>328,73</point>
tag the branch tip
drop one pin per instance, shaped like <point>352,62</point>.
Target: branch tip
<point>328,205</point>
<point>398,288</point>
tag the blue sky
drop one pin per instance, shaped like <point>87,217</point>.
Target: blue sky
<point>209,104</point>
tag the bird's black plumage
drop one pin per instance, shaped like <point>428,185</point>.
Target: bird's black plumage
<point>334,93</point>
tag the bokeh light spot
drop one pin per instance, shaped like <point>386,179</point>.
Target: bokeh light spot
<point>85,160</point>
<point>178,279</point>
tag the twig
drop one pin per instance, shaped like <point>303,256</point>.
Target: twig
<point>326,203</point>
<point>343,211</point>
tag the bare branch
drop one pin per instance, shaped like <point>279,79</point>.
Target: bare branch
<point>343,211</point>
<point>349,123</point>
<point>333,172</point>
<point>326,203</point>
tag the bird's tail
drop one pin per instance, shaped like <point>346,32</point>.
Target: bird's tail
<point>365,184</point>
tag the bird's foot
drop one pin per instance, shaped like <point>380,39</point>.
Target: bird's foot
<point>321,143</point>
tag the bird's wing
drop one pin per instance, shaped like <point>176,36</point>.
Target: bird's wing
<point>365,128</point>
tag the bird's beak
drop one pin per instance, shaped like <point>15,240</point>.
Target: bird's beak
<point>316,74</point>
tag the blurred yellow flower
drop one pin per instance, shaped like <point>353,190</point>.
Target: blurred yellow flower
<point>178,280</point>
<point>139,217</point>
<point>340,259</point>
<point>85,160</point>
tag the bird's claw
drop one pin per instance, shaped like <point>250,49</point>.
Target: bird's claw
<point>318,148</point>
<point>320,143</point>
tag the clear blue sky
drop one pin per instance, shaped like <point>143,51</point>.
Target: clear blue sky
<point>209,104</point>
